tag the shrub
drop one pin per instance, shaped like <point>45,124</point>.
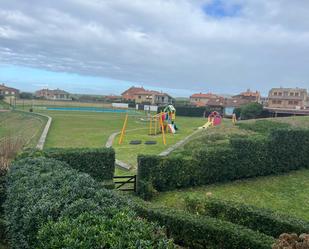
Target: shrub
<point>282,151</point>
<point>45,191</point>
<point>289,149</point>
<point>251,111</point>
<point>263,126</point>
<point>262,220</point>
<point>198,232</point>
<point>99,162</point>
<point>162,174</point>
<point>2,228</point>
<point>84,232</point>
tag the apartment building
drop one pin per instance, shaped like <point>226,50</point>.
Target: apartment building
<point>288,98</point>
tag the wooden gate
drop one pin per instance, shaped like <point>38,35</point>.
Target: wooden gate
<point>125,183</point>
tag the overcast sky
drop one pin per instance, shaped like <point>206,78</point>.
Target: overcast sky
<point>179,46</point>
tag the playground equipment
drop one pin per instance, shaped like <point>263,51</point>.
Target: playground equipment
<point>167,117</point>
<point>214,119</point>
<point>234,119</point>
<point>159,123</point>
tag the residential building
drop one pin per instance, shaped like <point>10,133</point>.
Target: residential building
<point>129,94</point>
<point>8,91</point>
<point>226,106</point>
<point>249,96</point>
<point>143,96</point>
<point>288,98</point>
<point>56,94</point>
<point>201,99</point>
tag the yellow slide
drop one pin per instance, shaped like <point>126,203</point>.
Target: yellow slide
<point>205,126</point>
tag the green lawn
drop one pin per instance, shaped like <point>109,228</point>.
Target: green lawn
<point>23,125</point>
<point>285,193</point>
<point>83,129</point>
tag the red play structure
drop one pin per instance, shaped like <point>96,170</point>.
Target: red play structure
<point>215,118</point>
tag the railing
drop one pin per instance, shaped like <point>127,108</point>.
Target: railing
<point>123,182</point>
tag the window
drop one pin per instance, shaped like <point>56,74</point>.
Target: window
<point>275,93</point>
<point>139,96</point>
<point>279,102</point>
<point>196,100</point>
<point>296,94</point>
<point>290,102</point>
<point>295,102</point>
<point>280,94</point>
<point>291,94</point>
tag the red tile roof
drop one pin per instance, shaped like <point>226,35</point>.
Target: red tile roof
<point>204,95</point>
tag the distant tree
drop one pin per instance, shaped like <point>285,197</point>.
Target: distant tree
<point>26,95</point>
<point>251,111</point>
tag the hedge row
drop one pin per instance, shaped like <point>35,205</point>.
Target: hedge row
<point>190,111</point>
<point>97,162</point>
<point>2,199</point>
<point>205,232</point>
<point>282,151</point>
<point>258,219</point>
<point>49,205</point>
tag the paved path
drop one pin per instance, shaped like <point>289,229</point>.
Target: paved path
<point>42,139</point>
<point>109,144</point>
<point>179,144</point>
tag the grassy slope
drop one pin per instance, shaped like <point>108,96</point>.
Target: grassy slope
<point>287,193</point>
<point>25,125</point>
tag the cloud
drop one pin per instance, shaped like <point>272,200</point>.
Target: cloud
<point>163,43</point>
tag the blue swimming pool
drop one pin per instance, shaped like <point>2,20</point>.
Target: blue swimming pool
<point>89,109</point>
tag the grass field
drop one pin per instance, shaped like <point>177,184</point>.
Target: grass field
<point>286,193</point>
<point>83,129</point>
<point>23,125</point>
<point>92,129</point>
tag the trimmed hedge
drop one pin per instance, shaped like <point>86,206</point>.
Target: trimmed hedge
<point>258,219</point>
<point>2,229</point>
<point>197,232</point>
<point>189,111</point>
<point>262,126</point>
<point>45,194</point>
<point>97,162</point>
<point>282,151</point>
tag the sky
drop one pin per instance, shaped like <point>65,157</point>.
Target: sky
<point>177,46</point>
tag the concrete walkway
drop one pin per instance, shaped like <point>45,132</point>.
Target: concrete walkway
<point>179,144</point>
<point>109,144</point>
<point>42,139</point>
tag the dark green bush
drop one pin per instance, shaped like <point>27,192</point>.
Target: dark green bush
<point>162,174</point>
<point>97,162</point>
<point>45,191</point>
<point>289,149</point>
<point>2,229</point>
<point>123,231</point>
<point>258,219</point>
<point>251,111</point>
<point>197,232</point>
<point>282,151</point>
<point>262,126</point>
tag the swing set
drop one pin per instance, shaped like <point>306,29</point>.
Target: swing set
<point>159,123</point>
